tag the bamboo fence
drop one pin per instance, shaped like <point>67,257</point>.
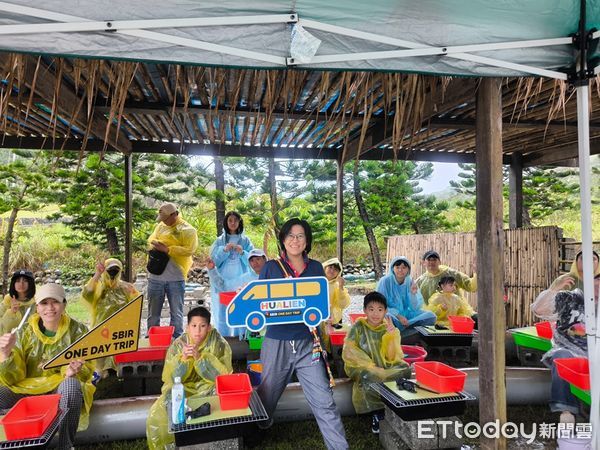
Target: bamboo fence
<point>531,262</point>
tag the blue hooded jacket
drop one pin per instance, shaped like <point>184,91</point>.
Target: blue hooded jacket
<point>399,298</point>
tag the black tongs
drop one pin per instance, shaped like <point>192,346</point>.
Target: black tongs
<point>405,384</point>
<point>201,411</point>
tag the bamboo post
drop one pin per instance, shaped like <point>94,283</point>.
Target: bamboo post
<point>490,243</point>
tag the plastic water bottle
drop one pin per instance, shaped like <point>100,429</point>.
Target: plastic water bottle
<point>178,402</point>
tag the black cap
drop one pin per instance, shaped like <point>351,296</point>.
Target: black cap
<point>23,273</point>
<point>431,254</point>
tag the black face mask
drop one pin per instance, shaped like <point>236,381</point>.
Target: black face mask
<point>113,272</point>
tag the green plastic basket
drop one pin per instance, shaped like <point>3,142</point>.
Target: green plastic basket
<point>527,337</point>
<point>255,343</point>
<point>582,395</point>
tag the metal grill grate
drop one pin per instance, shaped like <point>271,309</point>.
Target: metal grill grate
<point>258,414</point>
<point>425,332</point>
<point>38,442</point>
<point>398,402</point>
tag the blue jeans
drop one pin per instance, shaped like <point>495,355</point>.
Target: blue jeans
<point>561,398</point>
<point>420,319</point>
<point>174,290</point>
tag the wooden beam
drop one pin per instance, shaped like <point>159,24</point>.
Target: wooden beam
<point>515,191</point>
<point>47,143</point>
<point>67,101</point>
<point>553,155</point>
<point>469,124</point>
<point>128,190</point>
<point>490,259</point>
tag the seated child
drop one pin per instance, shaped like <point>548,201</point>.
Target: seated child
<point>197,357</point>
<point>372,353</point>
<point>445,302</point>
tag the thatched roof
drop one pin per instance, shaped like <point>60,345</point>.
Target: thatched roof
<point>80,104</point>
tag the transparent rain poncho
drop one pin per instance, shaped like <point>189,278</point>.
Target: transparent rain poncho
<point>198,377</point>
<point>444,304</point>
<point>371,354</point>
<point>10,319</point>
<point>105,297</point>
<point>22,371</point>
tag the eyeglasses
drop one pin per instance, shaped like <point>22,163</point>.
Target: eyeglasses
<point>295,237</point>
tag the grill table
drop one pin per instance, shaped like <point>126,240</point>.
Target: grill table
<point>444,338</point>
<point>218,430</point>
<point>39,442</point>
<point>426,408</point>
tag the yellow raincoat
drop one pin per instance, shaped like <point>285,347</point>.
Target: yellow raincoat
<point>182,240</point>
<point>105,297</point>
<point>454,306</point>
<point>371,354</point>
<point>10,319</point>
<point>339,299</point>
<point>198,377</point>
<point>428,283</point>
<point>22,371</point>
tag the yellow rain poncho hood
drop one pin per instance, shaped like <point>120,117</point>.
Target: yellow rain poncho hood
<point>182,240</point>
<point>339,298</point>
<point>428,283</point>
<point>107,295</point>
<point>22,371</point>
<point>371,354</point>
<point>198,377</point>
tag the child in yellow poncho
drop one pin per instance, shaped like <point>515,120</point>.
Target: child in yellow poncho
<point>339,299</point>
<point>372,353</point>
<point>197,357</point>
<point>105,294</point>
<point>20,297</point>
<point>446,302</point>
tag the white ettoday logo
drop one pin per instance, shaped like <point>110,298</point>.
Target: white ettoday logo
<point>508,430</point>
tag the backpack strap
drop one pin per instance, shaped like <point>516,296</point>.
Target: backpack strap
<point>284,271</point>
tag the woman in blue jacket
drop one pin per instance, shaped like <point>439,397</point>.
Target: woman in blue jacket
<point>230,255</point>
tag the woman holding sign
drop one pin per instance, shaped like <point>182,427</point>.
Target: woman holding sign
<point>294,348</point>
<point>24,352</point>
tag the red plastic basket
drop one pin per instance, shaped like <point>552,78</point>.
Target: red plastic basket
<point>355,316</point>
<point>143,354</point>
<point>160,336</point>
<point>225,298</point>
<point>439,377</point>
<point>234,391</point>
<point>30,417</point>
<point>461,324</point>
<point>544,329</point>
<point>337,337</point>
<point>574,370</point>
<point>414,353</point>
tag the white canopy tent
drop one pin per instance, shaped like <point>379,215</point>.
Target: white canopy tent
<point>483,38</point>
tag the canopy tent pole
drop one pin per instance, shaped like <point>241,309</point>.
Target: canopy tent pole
<point>583,126</point>
<point>490,257</point>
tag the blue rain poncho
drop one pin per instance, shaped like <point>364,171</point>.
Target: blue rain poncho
<point>229,266</point>
<point>400,299</point>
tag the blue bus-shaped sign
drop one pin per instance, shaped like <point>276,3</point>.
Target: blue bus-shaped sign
<point>280,301</point>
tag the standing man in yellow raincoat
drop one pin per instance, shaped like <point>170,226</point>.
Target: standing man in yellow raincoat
<point>105,294</point>
<point>24,353</point>
<point>197,357</point>
<point>175,239</point>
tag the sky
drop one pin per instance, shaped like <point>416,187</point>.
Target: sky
<point>440,179</point>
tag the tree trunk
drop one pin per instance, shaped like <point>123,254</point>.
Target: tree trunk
<point>112,241</point>
<point>273,195</point>
<point>364,216</point>
<point>7,246</point>
<point>220,194</point>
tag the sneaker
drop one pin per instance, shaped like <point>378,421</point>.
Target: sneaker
<point>375,424</point>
